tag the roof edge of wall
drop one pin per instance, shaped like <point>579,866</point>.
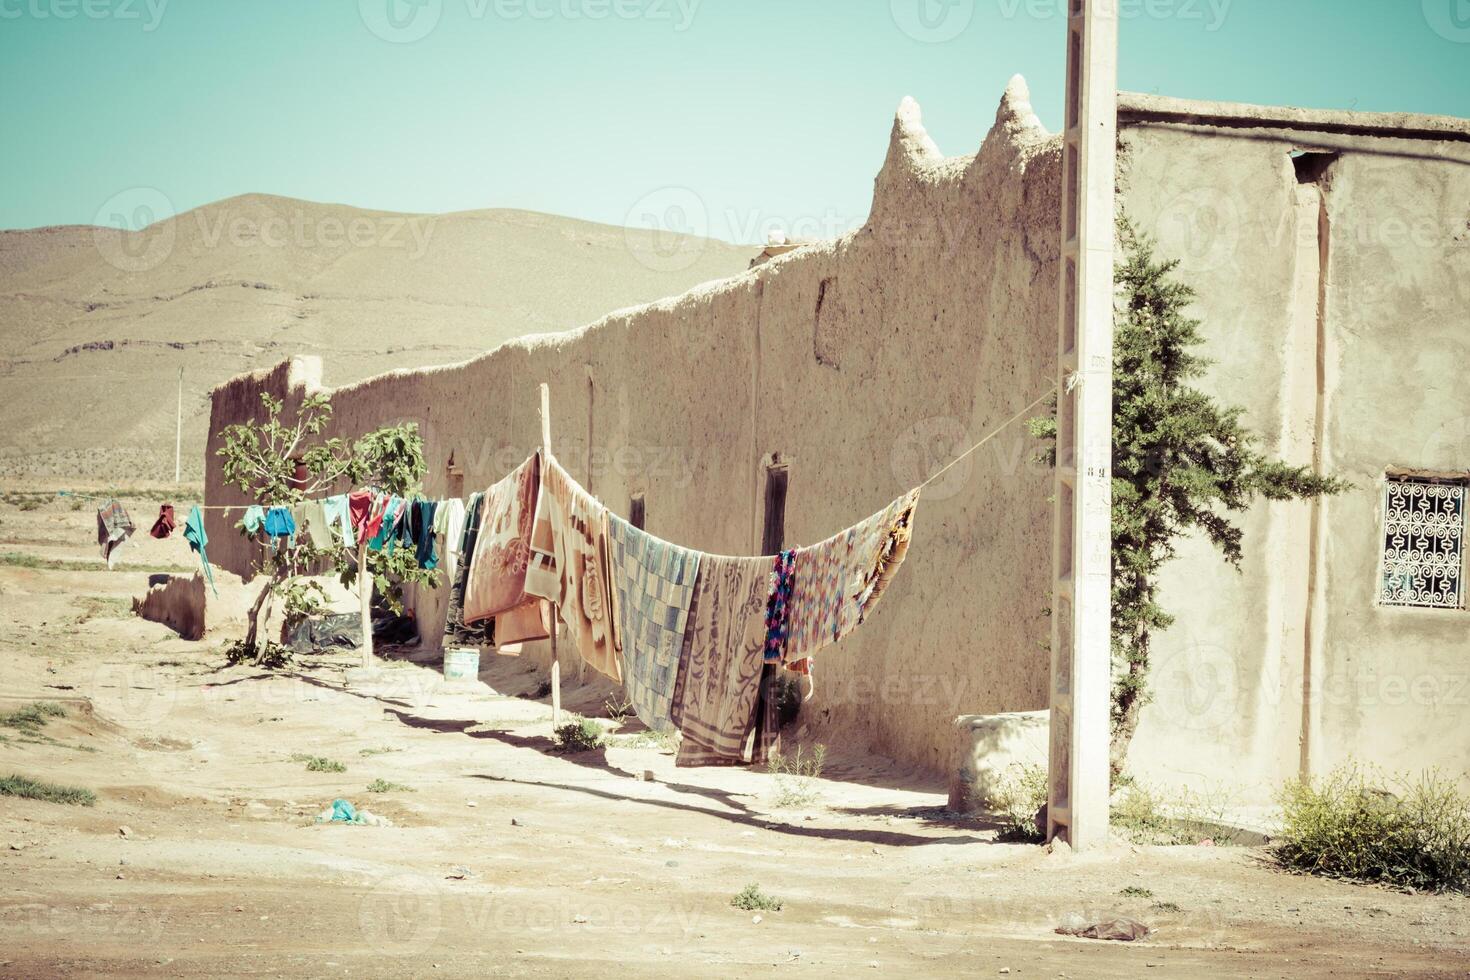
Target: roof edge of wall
<point>1139,107</point>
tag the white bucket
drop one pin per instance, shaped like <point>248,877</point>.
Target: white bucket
<point>462,664</point>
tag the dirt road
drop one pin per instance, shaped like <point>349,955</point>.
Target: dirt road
<point>201,856</point>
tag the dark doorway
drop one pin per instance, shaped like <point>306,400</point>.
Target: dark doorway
<point>773,534</point>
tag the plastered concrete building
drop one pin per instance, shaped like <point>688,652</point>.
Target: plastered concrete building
<point>1331,255</point>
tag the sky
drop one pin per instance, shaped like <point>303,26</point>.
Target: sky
<point>742,115</point>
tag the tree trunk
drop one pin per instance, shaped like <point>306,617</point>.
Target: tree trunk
<point>253,639</point>
<point>1127,723</point>
<point>365,598</point>
<point>1129,704</point>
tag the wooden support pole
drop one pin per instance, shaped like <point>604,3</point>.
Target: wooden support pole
<point>555,613</point>
<point>365,600</point>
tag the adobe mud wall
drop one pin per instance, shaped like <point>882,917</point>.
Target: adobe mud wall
<point>859,364</point>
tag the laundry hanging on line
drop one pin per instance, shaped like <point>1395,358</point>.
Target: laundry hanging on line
<point>688,634</point>
<point>164,525</point>
<point>114,526</point>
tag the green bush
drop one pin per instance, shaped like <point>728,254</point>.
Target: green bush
<point>1346,827</point>
<point>1018,794</point>
<point>317,763</point>
<point>579,735</point>
<point>752,899</point>
<point>384,786</point>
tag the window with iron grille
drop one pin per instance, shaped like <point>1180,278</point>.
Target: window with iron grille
<point>1423,539</point>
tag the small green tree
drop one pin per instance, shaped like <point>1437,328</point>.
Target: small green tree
<point>1181,462</point>
<point>279,464</point>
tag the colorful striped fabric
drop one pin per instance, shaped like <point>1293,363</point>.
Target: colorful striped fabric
<point>654,582</point>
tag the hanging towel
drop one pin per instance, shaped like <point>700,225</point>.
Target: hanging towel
<point>253,519</point>
<point>337,511</point>
<point>425,550</point>
<point>455,630</point>
<point>838,580</point>
<point>531,620</point>
<point>280,524</point>
<point>113,528</point>
<point>497,580</point>
<point>311,516</point>
<point>721,659</point>
<point>569,565</point>
<point>654,582</point>
<point>164,526</point>
<point>198,540</point>
<point>880,564</point>
<point>449,523</point>
<point>365,514</point>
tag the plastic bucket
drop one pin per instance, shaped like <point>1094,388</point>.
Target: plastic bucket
<point>461,665</point>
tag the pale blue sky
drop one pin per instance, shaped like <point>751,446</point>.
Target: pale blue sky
<point>769,111</point>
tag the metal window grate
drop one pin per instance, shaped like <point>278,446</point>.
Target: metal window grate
<point>1423,541</point>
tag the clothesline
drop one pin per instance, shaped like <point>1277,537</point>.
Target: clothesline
<point>997,430</point>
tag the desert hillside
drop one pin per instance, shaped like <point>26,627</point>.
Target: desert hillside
<point>95,323</point>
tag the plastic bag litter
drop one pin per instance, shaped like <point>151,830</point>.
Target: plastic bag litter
<point>1116,927</point>
<point>342,811</point>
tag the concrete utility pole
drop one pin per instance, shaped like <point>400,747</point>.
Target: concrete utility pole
<point>1081,616</point>
<point>179,433</point>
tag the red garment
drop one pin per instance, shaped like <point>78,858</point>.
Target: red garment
<point>360,513</point>
<point>164,526</point>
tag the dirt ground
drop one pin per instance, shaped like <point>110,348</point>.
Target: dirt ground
<point>201,856</point>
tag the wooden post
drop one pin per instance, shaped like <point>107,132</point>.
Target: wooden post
<point>365,597</point>
<point>1077,804</point>
<point>179,434</point>
<point>555,613</point>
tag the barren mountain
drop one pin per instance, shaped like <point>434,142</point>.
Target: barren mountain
<point>95,323</point>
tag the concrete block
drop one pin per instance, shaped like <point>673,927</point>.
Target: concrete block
<point>986,745</point>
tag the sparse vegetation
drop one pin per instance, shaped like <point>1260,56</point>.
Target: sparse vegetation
<point>795,777</point>
<point>1169,907</point>
<point>752,899</point>
<point>618,709</point>
<point>579,735</point>
<point>379,750</point>
<point>1134,891</point>
<point>541,690</point>
<point>17,559</point>
<point>317,763</point>
<point>1019,793</point>
<point>35,789</point>
<point>1146,816</point>
<point>102,607</point>
<point>1345,826</point>
<point>384,786</point>
<point>33,717</point>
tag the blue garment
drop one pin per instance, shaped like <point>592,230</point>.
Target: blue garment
<point>388,533</point>
<point>423,533</point>
<point>280,524</point>
<point>198,540</point>
<point>253,520</point>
